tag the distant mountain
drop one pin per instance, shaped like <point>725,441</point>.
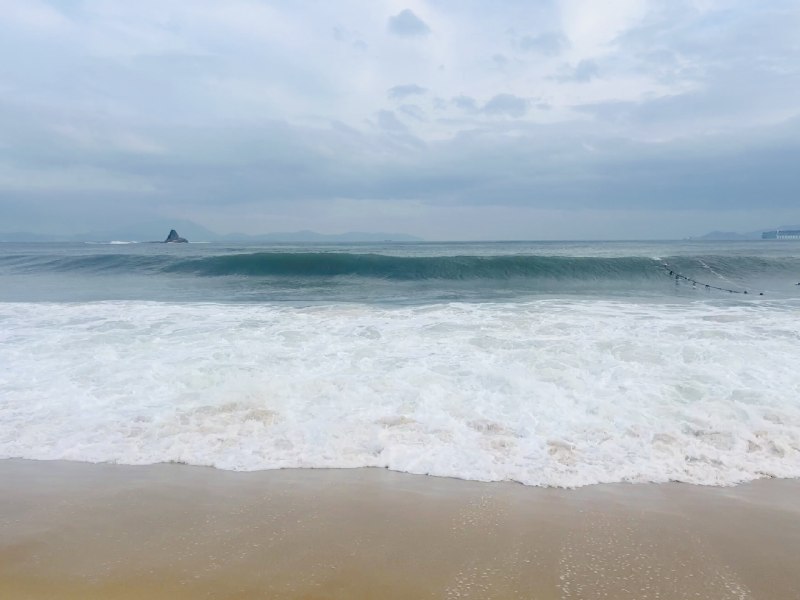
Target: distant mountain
<point>728,235</point>
<point>151,231</point>
<point>155,231</point>
<point>313,236</point>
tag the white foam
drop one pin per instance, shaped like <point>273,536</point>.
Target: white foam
<point>112,243</point>
<point>562,393</point>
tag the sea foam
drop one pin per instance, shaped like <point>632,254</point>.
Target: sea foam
<point>548,392</point>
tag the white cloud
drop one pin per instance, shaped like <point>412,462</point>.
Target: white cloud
<point>388,120</point>
<point>34,16</point>
<point>406,23</point>
<point>403,91</point>
<point>506,104</point>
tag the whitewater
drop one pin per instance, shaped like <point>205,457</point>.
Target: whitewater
<point>545,364</point>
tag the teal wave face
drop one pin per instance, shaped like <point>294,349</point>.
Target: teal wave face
<point>417,268</point>
<point>409,268</point>
<point>220,261</point>
<point>207,273</point>
<point>101,263</point>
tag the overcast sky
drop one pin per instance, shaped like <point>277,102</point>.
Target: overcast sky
<point>447,119</point>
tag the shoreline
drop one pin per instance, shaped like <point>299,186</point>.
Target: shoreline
<point>81,530</point>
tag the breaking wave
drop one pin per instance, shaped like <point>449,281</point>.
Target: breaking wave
<point>552,393</point>
<point>333,264</point>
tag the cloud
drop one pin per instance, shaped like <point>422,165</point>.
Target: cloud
<point>343,35</point>
<point>465,103</point>
<point>500,60</point>
<point>406,23</point>
<point>388,121</point>
<point>277,168</point>
<point>549,44</point>
<point>583,72</point>
<point>36,16</point>
<point>506,105</point>
<point>399,92</point>
<point>264,108</point>
<point>412,110</point>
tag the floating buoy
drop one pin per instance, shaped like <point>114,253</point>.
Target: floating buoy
<point>707,286</point>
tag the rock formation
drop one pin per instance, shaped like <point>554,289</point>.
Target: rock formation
<point>173,237</point>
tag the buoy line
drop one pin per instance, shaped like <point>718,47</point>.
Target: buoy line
<point>681,277</point>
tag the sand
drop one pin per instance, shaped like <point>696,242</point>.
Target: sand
<point>75,530</point>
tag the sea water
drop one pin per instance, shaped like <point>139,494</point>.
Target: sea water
<point>558,364</point>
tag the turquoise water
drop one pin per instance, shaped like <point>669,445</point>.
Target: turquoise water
<point>392,273</point>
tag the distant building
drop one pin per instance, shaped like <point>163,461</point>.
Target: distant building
<point>778,234</point>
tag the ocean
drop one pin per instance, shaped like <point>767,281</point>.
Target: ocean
<point>550,364</point>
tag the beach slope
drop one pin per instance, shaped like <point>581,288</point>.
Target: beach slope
<point>76,530</point>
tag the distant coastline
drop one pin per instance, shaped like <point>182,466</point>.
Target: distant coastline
<point>749,235</point>
<point>153,232</point>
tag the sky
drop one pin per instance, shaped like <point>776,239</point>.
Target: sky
<point>445,119</point>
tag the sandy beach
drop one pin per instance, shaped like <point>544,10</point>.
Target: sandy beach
<point>76,530</point>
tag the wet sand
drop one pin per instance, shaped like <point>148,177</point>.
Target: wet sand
<point>74,530</point>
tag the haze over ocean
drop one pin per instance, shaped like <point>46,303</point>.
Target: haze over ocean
<point>556,364</point>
